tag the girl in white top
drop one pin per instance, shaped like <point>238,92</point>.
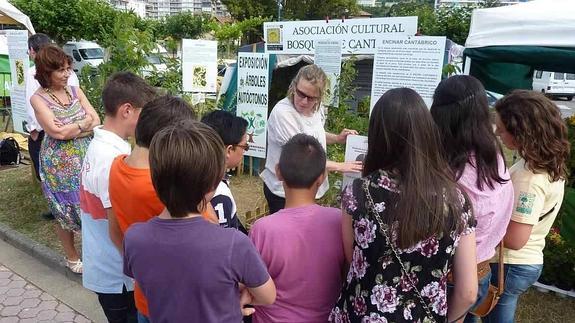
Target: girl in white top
<point>300,112</point>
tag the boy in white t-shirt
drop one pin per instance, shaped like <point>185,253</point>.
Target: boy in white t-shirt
<point>123,96</point>
<point>232,130</point>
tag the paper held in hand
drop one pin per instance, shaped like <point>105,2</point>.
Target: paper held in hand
<point>355,150</point>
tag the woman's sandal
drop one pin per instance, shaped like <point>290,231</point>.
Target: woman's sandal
<point>74,266</point>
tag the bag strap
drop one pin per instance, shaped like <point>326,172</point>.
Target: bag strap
<point>548,212</point>
<point>383,229</point>
<point>500,274</point>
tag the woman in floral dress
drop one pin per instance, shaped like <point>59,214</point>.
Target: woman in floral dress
<point>405,224</point>
<point>68,119</point>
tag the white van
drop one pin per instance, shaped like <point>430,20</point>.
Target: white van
<point>84,53</point>
<point>554,84</point>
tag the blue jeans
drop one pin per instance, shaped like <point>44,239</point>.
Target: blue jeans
<point>142,318</point>
<point>481,293</point>
<point>518,278</point>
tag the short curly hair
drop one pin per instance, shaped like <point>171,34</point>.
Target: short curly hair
<point>540,133</point>
<point>50,58</point>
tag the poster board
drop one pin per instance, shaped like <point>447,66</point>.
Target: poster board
<point>412,62</point>
<point>252,99</point>
<point>19,63</point>
<point>357,36</point>
<point>328,58</point>
<point>355,150</point>
<point>199,65</point>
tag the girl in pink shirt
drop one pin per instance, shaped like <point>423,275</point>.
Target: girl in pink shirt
<point>461,111</point>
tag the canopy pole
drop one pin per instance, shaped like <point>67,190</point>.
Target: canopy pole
<point>467,65</point>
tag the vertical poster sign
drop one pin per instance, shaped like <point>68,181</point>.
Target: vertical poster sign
<point>199,65</point>
<point>19,63</point>
<point>252,99</point>
<point>328,58</point>
<point>413,62</point>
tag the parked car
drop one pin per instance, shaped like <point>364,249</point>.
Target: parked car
<point>554,84</point>
<point>84,53</point>
<point>156,61</point>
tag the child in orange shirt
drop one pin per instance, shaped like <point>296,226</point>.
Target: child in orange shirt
<point>131,191</point>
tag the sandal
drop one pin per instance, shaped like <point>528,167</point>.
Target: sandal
<point>74,266</point>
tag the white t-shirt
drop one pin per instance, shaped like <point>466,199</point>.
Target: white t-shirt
<point>103,270</point>
<point>31,86</point>
<point>285,122</point>
<point>225,206</point>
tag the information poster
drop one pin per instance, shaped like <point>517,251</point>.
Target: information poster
<point>19,63</point>
<point>199,65</point>
<point>328,57</point>
<point>252,99</point>
<point>412,62</point>
<point>356,36</point>
<point>355,150</point>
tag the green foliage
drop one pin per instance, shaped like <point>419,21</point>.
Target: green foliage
<point>228,35</point>
<point>245,9</point>
<point>319,9</point>
<point>559,262</point>
<point>171,79</point>
<point>450,69</point>
<point>450,21</point>
<point>292,10</point>
<point>64,20</point>
<point>341,117</point>
<point>184,25</point>
<point>127,51</point>
<point>571,161</point>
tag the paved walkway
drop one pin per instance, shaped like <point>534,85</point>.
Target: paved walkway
<point>21,301</point>
<point>33,292</point>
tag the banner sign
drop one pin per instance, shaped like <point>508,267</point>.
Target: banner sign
<point>199,65</point>
<point>412,62</point>
<point>357,36</point>
<point>19,63</point>
<point>252,99</point>
<point>328,58</point>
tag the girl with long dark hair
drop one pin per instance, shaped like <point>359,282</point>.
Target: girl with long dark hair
<point>405,223</point>
<point>461,112</point>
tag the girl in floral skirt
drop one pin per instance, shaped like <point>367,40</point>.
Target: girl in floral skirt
<point>406,225</point>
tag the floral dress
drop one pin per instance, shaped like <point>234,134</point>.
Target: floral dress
<point>60,165</point>
<point>376,290</point>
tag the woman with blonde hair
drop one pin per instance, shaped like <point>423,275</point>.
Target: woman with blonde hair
<point>530,124</point>
<point>300,112</point>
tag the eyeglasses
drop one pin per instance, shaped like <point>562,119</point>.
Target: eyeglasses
<point>305,96</point>
<point>245,147</point>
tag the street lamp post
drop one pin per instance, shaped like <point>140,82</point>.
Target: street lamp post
<point>280,6</point>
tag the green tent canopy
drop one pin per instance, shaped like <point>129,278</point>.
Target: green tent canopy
<point>506,44</point>
<point>504,68</point>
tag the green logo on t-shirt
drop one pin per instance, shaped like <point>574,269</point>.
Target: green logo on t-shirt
<point>525,203</point>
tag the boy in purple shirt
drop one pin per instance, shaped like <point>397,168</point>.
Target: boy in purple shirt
<point>301,244</point>
<point>189,269</point>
